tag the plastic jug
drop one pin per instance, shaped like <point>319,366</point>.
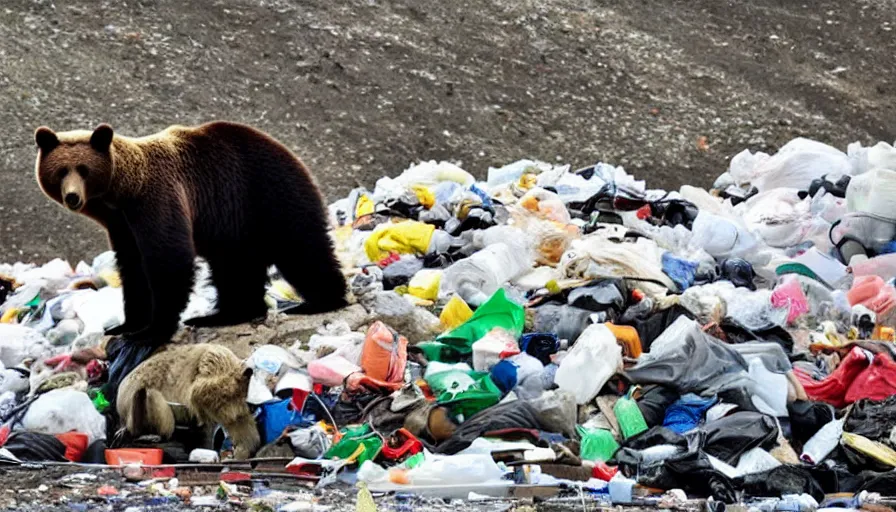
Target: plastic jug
<point>593,359</point>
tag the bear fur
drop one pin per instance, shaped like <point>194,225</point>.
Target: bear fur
<point>208,379</point>
<point>224,191</point>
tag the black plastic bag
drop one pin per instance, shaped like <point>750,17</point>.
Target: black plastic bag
<point>400,272</point>
<point>874,419</point>
<point>565,321</point>
<point>605,295</point>
<point>807,418</point>
<point>780,481</point>
<point>36,447</point>
<point>654,401</point>
<point>729,437</point>
<point>649,329</point>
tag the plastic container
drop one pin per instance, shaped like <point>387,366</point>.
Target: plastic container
<point>425,284</point>
<point>384,354</point>
<point>819,446</point>
<point>476,278</point>
<point>128,456</point>
<point>595,355</point>
<point>629,416</point>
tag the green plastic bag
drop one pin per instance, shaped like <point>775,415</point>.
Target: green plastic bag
<point>441,352</point>
<point>99,400</point>
<point>484,394</point>
<point>352,438</point>
<point>453,381</point>
<point>629,417</point>
<point>597,444</point>
<point>497,311</point>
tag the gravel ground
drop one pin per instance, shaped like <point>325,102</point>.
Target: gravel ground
<point>669,89</point>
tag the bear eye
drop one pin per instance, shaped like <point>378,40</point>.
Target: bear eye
<point>82,170</point>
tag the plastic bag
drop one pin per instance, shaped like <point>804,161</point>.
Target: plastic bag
<point>385,354</point>
<point>864,159</point>
<point>18,343</point>
<point>407,237</point>
<point>878,451</point>
<point>596,354</point>
<point>799,162</point>
<point>497,312</point>
<point>790,293</point>
<point>721,237</point>
<point>331,370</point>
<point>455,313</point>
<point>64,410</point>
<point>425,284</point>
<point>872,292</point>
<point>631,421</point>
<point>497,344</point>
<point>546,204</point>
<point>597,444</point>
<point>745,166</point>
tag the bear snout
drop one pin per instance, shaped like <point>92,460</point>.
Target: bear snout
<point>73,201</point>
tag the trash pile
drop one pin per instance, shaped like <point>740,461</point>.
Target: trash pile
<point>545,328</point>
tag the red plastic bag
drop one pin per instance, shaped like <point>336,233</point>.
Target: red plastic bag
<point>75,445</point>
<point>876,382</point>
<point>833,389</point>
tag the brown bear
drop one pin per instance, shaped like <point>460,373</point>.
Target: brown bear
<point>224,191</point>
<point>209,380</point>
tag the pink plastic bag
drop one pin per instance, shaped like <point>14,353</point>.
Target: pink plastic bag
<point>872,292</point>
<point>331,370</point>
<point>790,291</point>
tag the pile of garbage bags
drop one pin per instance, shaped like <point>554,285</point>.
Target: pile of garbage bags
<point>555,327</point>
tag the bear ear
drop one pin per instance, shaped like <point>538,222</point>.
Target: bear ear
<point>46,139</point>
<point>247,372</point>
<point>102,137</point>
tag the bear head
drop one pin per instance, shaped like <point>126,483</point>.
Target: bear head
<point>74,167</point>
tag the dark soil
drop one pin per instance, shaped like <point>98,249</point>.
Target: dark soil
<point>364,88</point>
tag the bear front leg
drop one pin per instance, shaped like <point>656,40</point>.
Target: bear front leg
<point>135,286</point>
<point>164,239</point>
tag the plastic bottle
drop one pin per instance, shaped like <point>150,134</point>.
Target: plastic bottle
<point>476,278</point>
<point>631,420</point>
<point>819,446</point>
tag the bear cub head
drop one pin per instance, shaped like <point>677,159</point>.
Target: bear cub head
<point>74,167</point>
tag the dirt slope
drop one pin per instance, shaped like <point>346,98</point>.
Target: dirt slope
<point>364,88</point>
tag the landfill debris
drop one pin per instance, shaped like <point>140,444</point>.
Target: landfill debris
<point>545,332</point>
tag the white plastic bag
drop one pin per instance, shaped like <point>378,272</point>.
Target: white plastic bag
<point>18,343</point>
<point>593,359</point>
<point>487,351</point>
<point>64,410</point>
<point>799,162</point>
<point>744,166</point>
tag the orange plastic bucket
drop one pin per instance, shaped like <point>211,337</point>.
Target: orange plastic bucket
<point>142,456</point>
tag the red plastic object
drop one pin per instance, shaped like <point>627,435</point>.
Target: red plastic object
<point>644,212</point>
<point>604,472</point>
<point>75,445</point>
<point>407,445</point>
<point>126,456</point>
<point>854,379</point>
<point>877,382</point>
